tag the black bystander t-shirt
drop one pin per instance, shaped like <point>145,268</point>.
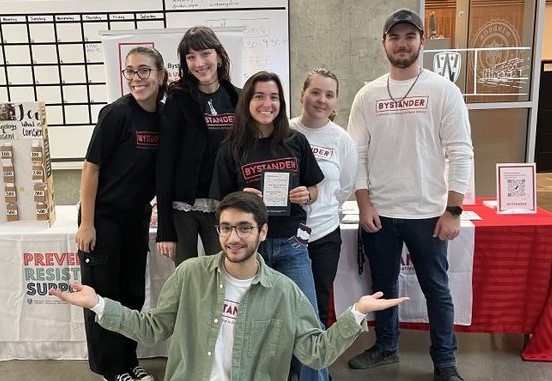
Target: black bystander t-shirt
<point>124,145</point>
<point>219,117</point>
<point>296,154</point>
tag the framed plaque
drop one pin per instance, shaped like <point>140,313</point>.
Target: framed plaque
<point>275,188</point>
<point>516,188</point>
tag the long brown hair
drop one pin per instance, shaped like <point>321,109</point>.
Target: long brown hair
<point>244,133</point>
<point>159,66</point>
<point>199,38</point>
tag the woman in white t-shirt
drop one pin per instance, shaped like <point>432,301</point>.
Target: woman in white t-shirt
<point>336,155</point>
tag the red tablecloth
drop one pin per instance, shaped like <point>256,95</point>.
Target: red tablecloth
<point>512,278</point>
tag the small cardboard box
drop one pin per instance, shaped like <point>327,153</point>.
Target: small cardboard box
<point>12,214</point>
<point>10,193</point>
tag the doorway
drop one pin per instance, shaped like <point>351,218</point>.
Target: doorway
<point>487,48</point>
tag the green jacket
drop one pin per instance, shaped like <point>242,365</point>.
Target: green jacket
<point>275,320</point>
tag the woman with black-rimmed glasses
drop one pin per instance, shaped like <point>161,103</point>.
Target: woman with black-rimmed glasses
<point>117,185</point>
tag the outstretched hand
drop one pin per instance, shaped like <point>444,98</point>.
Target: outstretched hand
<point>82,296</point>
<point>374,302</point>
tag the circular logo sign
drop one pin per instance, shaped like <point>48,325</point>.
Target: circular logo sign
<point>496,33</point>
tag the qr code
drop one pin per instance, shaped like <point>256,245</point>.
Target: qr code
<point>516,188</point>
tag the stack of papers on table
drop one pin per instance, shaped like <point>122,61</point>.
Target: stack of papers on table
<point>349,212</point>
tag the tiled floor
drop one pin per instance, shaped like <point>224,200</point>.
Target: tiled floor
<point>481,357</point>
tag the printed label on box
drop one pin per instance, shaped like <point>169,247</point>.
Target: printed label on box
<point>12,213</point>
<point>38,173</point>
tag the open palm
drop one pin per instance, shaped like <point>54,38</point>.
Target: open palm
<point>82,296</point>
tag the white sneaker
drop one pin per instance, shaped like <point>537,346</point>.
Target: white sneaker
<point>140,374</point>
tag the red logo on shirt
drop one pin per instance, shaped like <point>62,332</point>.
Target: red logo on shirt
<point>230,311</point>
<point>410,104</point>
<point>321,152</point>
<point>147,139</point>
<point>219,122</point>
<point>253,171</point>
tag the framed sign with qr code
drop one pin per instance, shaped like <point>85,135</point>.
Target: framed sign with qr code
<point>516,188</point>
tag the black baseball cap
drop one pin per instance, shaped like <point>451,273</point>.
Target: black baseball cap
<point>401,16</point>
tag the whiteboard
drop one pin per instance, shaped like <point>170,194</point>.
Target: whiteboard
<point>51,50</point>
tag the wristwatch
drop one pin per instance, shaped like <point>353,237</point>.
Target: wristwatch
<point>456,211</point>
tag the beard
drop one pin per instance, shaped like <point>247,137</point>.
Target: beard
<point>249,252</point>
<point>403,63</point>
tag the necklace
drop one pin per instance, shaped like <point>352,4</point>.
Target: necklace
<point>409,89</point>
<point>210,83</point>
<point>206,87</point>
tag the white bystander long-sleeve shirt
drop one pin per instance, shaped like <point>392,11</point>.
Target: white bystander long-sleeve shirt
<point>402,144</point>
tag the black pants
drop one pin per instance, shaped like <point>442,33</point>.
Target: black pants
<point>115,269</point>
<point>188,225</point>
<point>324,254</point>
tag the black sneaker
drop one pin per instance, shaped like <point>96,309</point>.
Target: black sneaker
<point>119,377</point>
<point>140,374</point>
<point>449,373</point>
<point>373,357</point>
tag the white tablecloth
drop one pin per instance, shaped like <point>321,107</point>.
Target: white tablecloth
<point>33,257</point>
<point>34,325</point>
<point>349,285</point>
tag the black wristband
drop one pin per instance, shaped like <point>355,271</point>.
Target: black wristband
<point>456,211</point>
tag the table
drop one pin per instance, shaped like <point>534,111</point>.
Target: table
<point>33,258</point>
<point>350,283</point>
<point>511,279</point>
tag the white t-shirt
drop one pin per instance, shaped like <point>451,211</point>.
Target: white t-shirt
<point>336,155</point>
<point>235,289</point>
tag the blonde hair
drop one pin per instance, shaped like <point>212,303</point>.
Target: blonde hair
<point>324,73</point>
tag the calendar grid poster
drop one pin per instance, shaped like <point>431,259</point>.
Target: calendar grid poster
<point>52,51</point>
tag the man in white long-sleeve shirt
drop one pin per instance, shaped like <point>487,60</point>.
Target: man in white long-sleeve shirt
<point>405,124</point>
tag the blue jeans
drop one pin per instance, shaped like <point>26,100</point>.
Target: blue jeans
<point>291,258</point>
<point>429,257</point>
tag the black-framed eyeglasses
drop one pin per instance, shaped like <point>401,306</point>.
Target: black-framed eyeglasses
<point>143,73</point>
<point>243,231</point>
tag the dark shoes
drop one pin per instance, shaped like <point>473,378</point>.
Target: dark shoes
<point>119,377</point>
<point>140,374</point>
<point>135,374</point>
<point>449,373</point>
<point>373,357</point>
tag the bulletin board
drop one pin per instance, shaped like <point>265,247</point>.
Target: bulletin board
<point>51,51</point>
